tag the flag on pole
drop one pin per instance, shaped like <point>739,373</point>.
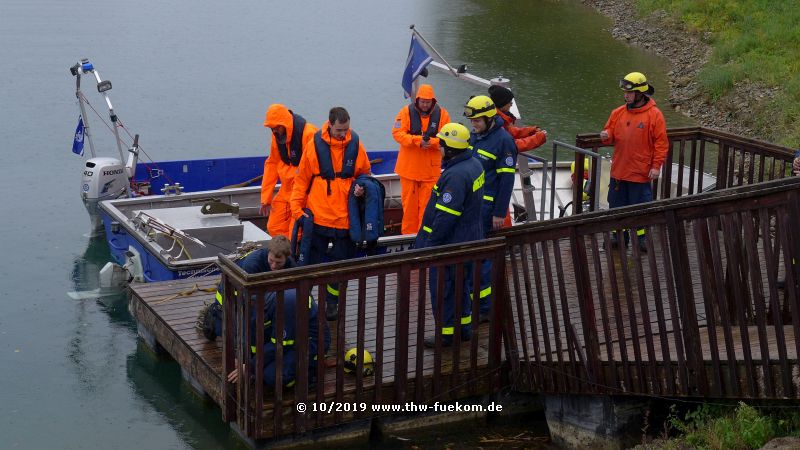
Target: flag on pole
<point>77,143</point>
<point>418,59</point>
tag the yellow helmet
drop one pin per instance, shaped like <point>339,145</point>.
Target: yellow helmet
<point>479,106</point>
<point>585,166</point>
<point>634,81</point>
<point>454,135</point>
<point>351,362</point>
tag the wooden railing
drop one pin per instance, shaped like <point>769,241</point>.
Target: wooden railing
<point>700,313</point>
<point>389,293</point>
<point>732,159</point>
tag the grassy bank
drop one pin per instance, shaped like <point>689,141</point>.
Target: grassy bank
<point>756,41</point>
<point>726,427</point>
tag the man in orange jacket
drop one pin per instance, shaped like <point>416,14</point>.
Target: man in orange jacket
<point>419,162</point>
<point>526,138</point>
<point>335,157</point>
<point>639,134</point>
<point>290,136</point>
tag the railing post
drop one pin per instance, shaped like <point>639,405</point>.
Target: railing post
<point>586,302</point>
<point>684,291</point>
<point>228,352</point>
<point>401,339</point>
<point>577,185</point>
<point>502,328</point>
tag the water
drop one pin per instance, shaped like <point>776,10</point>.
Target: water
<point>194,79</point>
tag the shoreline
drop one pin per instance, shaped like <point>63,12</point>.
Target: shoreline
<point>687,52</point>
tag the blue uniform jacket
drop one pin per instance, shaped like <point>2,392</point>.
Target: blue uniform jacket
<point>366,213</point>
<point>255,262</point>
<point>290,336</point>
<point>497,152</point>
<point>453,212</point>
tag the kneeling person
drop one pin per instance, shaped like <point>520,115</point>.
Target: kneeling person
<point>452,215</point>
<point>275,256</point>
<point>289,339</point>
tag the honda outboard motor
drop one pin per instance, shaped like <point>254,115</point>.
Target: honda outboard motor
<point>103,179</point>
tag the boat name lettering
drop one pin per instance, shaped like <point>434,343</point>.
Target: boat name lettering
<point>189,273</point>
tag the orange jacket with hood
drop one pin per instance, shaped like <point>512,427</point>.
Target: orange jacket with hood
<point>526,138</point>
<point>329,210</point>
<point>640,141</point>
<point>274,167</point>
<point>413,161</point>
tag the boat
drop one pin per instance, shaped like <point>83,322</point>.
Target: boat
<point>170,220</point>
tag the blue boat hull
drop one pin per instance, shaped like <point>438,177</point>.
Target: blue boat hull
<point>194,176</point>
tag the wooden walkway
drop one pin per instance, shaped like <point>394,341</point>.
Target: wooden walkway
<point>699,314</point>
<point>168,311</point>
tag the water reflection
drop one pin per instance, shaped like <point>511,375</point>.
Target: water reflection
<point>157,380</point>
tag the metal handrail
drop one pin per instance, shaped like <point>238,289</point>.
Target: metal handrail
<point>596,161</point>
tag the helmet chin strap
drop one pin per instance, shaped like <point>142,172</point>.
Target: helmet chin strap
<point>450,153</point>
<point>639,99</point>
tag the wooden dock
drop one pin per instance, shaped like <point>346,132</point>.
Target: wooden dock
<point>168,310</point>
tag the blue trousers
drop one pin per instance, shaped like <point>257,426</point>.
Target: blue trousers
<point>343,248</point>
<point>485,295</point>
<point>449,305</point>
<point>624,193</point>
<point>289,372</point>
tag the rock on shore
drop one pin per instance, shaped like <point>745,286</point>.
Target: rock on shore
<point>687,51</point>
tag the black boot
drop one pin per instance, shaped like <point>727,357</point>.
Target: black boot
<point>332,311</point>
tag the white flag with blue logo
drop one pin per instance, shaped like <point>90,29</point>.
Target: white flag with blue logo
<point>77,143</point>
<point>418,59</point>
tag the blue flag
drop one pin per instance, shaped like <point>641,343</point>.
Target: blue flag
<point>77,143</point>
<point>418,59</point>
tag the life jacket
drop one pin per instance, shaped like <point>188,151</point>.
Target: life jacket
<point>301,237</point>
<point>324,157</point>
<point>366,212</point>
<point>416,121</point>
<point>296,143</point>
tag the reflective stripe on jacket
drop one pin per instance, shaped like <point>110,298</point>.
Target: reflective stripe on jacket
<point>453,212</point>
<point>496,151</point>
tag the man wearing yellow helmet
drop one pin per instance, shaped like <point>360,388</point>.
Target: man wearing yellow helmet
<point>494,147</point>
<point>639,135</point>
<point>452,215</point>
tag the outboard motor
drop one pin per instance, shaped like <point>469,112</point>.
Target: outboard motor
<point>103,179</point>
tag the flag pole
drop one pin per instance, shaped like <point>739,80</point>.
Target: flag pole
<point>79,95</point>
<point>449,67</point>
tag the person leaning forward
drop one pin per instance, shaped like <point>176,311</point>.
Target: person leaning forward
<point>290,136</point>
<point>451,216</point>
<point>526,138</point>
<point>419,161</point>
<point>322,185</point>
<point>275,256</point>
<point>639,135</point>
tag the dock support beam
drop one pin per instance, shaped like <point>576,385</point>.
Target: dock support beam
<point>597,421</point>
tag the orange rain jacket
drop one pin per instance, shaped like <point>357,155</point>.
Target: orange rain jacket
<point>274,167</point>
<point>526,138</point>
<point>414,162</point>
<point>329,210</point>
<point>640,141</point>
